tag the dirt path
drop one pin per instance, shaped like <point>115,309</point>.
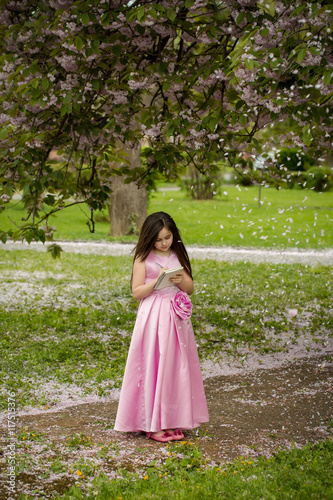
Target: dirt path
<point>250,415</point>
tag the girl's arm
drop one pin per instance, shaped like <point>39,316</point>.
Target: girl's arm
<point>139,288</point>
<point>184,282</point>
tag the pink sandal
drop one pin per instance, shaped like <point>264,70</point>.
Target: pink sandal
<point>177,435</point>
<point>164,438</point>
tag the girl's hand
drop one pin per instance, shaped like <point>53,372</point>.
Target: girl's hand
<point>162,271</point>
<point>177,279</point>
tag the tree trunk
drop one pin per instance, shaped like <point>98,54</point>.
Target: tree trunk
<point>128,204</point>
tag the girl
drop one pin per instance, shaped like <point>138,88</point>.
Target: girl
<point>162,389</point>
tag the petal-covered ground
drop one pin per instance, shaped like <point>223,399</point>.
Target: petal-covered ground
<point>251,414</point>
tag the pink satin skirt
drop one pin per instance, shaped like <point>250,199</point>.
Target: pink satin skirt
<point>162,386</point>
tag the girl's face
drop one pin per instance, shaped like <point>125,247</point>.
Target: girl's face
<point>164,240</point>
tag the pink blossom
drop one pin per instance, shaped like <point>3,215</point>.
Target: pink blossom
<point>67,62</point>
<point>61,4</point>
<point>137,84</point>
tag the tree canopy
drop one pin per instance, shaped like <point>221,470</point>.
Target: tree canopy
<point>192,79</point>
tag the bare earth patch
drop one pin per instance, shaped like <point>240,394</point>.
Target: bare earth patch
<point>251,414</point>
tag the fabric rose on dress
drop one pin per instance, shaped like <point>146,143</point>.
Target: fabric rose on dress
<point>182,305</point>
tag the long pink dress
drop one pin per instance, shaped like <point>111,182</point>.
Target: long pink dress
<point>162,386</point>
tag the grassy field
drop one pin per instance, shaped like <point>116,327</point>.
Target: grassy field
<point>69,321</point>
<point>65,331</point>
<point>287,218</point>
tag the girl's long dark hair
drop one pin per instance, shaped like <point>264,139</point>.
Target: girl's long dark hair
<point>153,224</point>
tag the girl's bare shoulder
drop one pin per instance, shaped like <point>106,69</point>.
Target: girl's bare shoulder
<point>138,262</point>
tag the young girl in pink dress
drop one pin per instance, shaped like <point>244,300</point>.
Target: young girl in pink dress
<point>162,391</point>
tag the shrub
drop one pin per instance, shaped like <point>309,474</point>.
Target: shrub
<point>318,178</point>
<point>295,160</point>
<point>202,186</point>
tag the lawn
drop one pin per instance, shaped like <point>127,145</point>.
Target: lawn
<point>286,218</point>
<point>65,331</point>
<point>69,321</point>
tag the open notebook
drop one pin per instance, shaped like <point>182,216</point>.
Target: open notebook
<point>164,281</point>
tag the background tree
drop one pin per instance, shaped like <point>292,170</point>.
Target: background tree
<point>221,78</point>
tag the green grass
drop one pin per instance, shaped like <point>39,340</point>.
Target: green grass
<point>69,321</point>
<point>299,474</point>
<point>287,218</point>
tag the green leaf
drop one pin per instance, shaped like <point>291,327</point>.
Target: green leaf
<point>116,49</point>
<point>65,109</point>
<point>158,7</point>
<point>314,50</point>
<point>96,84</point>
<point>212,31</point>
<point>34,82</point>
<point>35,69</point>
<point>78,43</point>
<point>212,123</point>
<point>249,63</point>
<point>105,19</point>
<point>95,46</point>
<point>162,68</point>
<point>141,14</point>
<point>45,83</point>
<point>49,200</point>
<point>55,250</point>
<point>68,98</point>
<point>26,72</point>
<point>327,77</point>
<point>153,13</point>
<point>35,93</point>
<point>240,17</point>
<point>141,29</point>
<point>85,19</point>
<point>29,236</point>
<point>239,104</point>
<point>298,10</point>
<point>189,3</point>
<point>301,54</point>
<point>3,237</point>
<point>3,133</point>
<point>264,32</point>
<point>171,14</point>
<point>306,135</point>
<point>40,235</point>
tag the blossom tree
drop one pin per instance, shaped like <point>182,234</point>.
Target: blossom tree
<point>193,80</point>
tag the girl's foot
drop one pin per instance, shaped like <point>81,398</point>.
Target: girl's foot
<point>161,436</point>
<point>177,435</point>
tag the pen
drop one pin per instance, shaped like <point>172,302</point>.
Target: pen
<point>159,265</point>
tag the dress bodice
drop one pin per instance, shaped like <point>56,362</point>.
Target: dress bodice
<point>153,263</point>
